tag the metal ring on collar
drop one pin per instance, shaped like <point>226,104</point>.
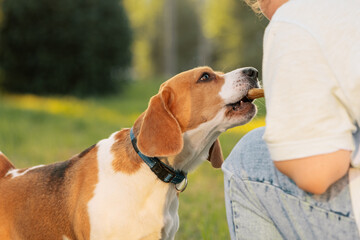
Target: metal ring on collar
<point>182,186</point>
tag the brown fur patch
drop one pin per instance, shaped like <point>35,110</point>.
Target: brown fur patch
<point>125,158</point>
<point>49,202</point>
<point>248,108</point>
<point>215,154</point>
<point>195,102</point>
<point>160,133</point>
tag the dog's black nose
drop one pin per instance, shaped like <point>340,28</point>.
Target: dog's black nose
<point>251,72</point>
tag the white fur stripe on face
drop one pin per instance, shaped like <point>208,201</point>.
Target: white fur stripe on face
<point>234,87</point>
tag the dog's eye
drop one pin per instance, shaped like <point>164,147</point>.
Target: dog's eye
<point>205,77</point>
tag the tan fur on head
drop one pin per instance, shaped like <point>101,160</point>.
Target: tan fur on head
<point>160,134</point>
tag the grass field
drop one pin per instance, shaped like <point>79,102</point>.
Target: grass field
<point>39,130</point>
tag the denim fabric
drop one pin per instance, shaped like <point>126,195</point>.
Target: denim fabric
<point>262,203</point>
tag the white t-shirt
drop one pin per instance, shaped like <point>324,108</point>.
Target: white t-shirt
<point>311,74</point>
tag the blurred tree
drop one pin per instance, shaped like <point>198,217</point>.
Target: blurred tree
<point>183,53</point>
<point>235,33</point>
<point>77,47</point>
<point>190,39</point>
<point>165,36</point>
<point>253,27</point>
<point>146,21</point>
<point>170,37</point>
<point>222,34</point>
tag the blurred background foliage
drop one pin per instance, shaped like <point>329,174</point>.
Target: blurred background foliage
<point>172,36</point>
<point>66,47</point>
<point>93,47</point>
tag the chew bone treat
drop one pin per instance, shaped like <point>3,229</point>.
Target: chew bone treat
<point>255,93</point>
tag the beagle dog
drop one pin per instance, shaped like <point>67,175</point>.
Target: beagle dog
<point>127,186</point>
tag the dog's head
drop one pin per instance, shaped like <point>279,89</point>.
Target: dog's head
<point>194,107</point>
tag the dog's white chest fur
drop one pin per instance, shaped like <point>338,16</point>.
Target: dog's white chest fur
<point>136,206</point>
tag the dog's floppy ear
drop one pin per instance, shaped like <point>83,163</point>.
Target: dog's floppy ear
<point>215,154</point>
<point>160,134</point>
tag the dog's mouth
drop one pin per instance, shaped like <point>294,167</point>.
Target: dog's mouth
<point>240,105</point>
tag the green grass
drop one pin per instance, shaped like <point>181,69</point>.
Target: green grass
<point>40,130</point>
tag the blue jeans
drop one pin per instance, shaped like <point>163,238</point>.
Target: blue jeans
<point>262,203</point>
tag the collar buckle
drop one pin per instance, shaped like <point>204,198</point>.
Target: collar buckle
<point>163,172</point>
